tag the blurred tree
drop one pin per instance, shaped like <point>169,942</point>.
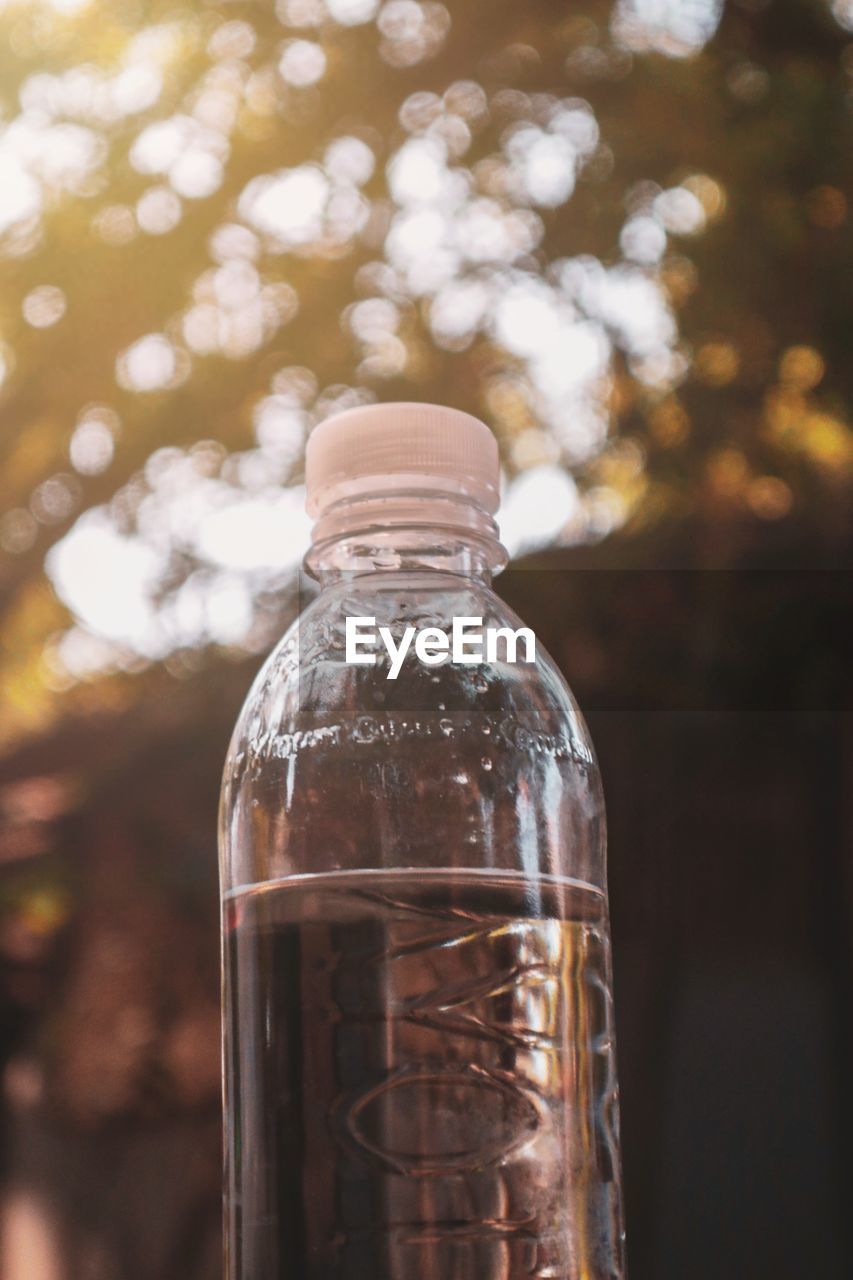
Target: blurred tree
<point>620,234</point>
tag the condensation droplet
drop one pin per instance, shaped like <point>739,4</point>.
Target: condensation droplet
<point>446,727</point>
<point>365,729</point>
<point>441,706</point>
<point>480,683</point>
<point>487,764</point>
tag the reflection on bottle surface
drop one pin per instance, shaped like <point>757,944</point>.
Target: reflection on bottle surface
<point>421,1079</point>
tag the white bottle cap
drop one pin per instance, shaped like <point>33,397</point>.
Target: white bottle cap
<point>379,448</point>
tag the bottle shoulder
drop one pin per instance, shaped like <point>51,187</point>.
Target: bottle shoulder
<point>307,683</point>
<point>335,766</point>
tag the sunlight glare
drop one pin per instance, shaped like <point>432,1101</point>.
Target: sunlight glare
<point>678,28</point>
<point>417,173</point>
<point>91,447</point>
<point>106,580</point>
<point>287,206</point>
<point>44,306</point>
<point>20,194</point>
<point>69,6</point>
<point>680,211</point>
<point>266,531</point>
<point>351,13</point>
<point>149,364</point>
<point>349,159</point>
<point>535,508</point>
<point>526,318</point>
<point>302,63</point>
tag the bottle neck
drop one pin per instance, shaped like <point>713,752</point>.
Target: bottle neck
<point>404,532</point>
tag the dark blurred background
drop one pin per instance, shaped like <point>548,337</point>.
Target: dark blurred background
<point>621,234</point>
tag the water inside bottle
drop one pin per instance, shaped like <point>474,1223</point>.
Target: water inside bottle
<point>422,1081</point>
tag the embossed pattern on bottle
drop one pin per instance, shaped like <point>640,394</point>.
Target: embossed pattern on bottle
<point>422,1079</point>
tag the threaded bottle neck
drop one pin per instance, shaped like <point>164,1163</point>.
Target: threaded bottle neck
<point>405,530</point>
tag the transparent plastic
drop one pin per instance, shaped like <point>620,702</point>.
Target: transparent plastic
<point>419,1063</point>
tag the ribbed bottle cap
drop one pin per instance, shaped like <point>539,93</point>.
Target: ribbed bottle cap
<point>378,448</point>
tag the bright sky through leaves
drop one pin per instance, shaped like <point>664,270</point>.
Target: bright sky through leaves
<point>224,224</point>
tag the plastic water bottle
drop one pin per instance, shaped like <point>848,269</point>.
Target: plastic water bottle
<point>419,1063</point>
